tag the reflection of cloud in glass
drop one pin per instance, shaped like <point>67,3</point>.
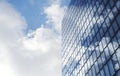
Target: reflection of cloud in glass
<point>105,34</point>
<point>91,38</point>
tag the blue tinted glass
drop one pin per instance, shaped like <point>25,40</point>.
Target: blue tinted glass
<point>91,38</point>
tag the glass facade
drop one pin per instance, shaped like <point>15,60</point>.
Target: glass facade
<point>91,38</point>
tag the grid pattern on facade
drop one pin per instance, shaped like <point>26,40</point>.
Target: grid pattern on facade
<point>91,38</point>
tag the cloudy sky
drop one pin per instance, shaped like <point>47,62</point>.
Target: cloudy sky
<point>30,37</point>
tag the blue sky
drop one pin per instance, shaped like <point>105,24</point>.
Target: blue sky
<point>32,10</point>
<point>26,48</point>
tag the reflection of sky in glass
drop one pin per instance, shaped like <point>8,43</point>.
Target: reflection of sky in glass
<point>91,38</point>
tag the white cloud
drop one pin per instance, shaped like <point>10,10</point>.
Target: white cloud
<point>44,45</point>
<point>54,14</point>
<point>42,40</point>
<point>37,53</point>
<point>11,26</point>
<point>11,23</point>
<point>6,68</point>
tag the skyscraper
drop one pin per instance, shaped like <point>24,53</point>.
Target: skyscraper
<point>91,38</point>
